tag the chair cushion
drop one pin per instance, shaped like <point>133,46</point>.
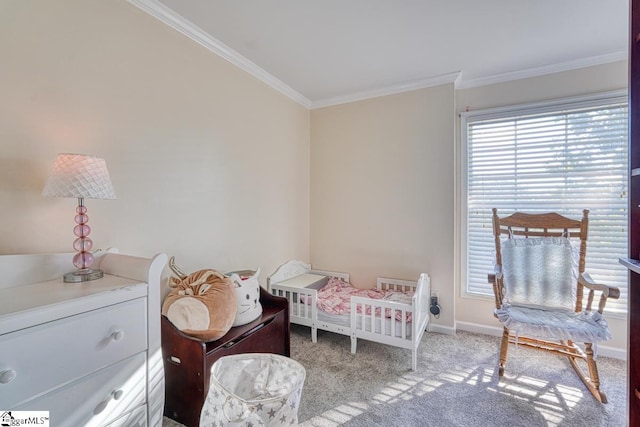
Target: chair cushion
<point>560,324</point>
<point>540,272</point>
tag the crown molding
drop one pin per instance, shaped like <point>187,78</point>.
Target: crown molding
<point>546,69</point>
<point>182,25</point>
<point>185,27</point>
<point>389,90</point>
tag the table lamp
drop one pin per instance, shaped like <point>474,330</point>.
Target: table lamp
<point>82,177</point>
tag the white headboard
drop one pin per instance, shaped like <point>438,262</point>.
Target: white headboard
<point>295,268</point>
<point>288,270</point>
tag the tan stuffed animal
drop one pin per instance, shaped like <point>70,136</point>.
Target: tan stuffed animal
<point>201,304</point>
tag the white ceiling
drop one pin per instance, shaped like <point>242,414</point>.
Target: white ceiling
<point>330,51</point>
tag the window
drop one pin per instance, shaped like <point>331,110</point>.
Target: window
<point>562,157</point>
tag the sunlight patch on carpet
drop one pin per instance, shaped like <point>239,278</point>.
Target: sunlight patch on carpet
<point>427,386</point>
<point>551,400</point>
<point>392,392</point>
<point>456,383</point>
<point>472,376</point>
<point>338,416</point>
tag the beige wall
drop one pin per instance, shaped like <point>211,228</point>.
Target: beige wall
<point>208,163</point>
<point>382,186</point>
<point>212,166</point>
<point>476,313</point>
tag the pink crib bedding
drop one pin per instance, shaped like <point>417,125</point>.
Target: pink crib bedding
<point>335,298</point>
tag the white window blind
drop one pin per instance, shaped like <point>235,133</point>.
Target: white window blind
<point>562,158</point>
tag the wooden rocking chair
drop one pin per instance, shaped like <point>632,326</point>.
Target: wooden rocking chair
<point>539,286</point>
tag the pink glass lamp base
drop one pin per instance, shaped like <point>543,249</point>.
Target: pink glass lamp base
<point>83,244</point>
<point>83,275</point>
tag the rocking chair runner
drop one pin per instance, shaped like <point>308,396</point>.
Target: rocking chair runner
<point>539,288</point>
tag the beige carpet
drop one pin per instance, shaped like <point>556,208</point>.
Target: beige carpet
<point>455,385</point>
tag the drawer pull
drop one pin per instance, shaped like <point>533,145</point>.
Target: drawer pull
<point>115,395</point>
<point>101,406</point>
<point>7,376</point>
<point>117,335</point>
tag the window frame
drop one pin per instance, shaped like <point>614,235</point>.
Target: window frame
<point>550,106</point>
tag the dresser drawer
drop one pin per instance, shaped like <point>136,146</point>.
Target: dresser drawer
<point>97,399</point>
<point>38,359</point>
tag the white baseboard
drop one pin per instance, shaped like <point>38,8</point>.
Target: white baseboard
<point>603,350</point>
<point>441,329</point>
<point>494,331</point>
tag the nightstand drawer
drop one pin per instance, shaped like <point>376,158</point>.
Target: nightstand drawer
<point>36,360</point>
<point>97,399</point>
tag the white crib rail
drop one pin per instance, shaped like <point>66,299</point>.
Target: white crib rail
<point>303,307</point>
<point>372,326</point>
<point>369,318</point>
<point>421,300</point>
<point>387,284</point>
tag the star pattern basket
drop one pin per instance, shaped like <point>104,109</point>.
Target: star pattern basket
<point>251,390</point>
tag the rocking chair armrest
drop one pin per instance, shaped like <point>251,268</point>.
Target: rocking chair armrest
<point>607,291</point>
<point>493,277</point>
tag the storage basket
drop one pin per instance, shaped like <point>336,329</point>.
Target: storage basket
<point>254,389</point>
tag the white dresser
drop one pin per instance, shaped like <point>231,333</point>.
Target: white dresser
<point>89,353</point>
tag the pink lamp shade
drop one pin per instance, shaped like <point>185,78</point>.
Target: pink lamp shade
<point>80,176</point>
